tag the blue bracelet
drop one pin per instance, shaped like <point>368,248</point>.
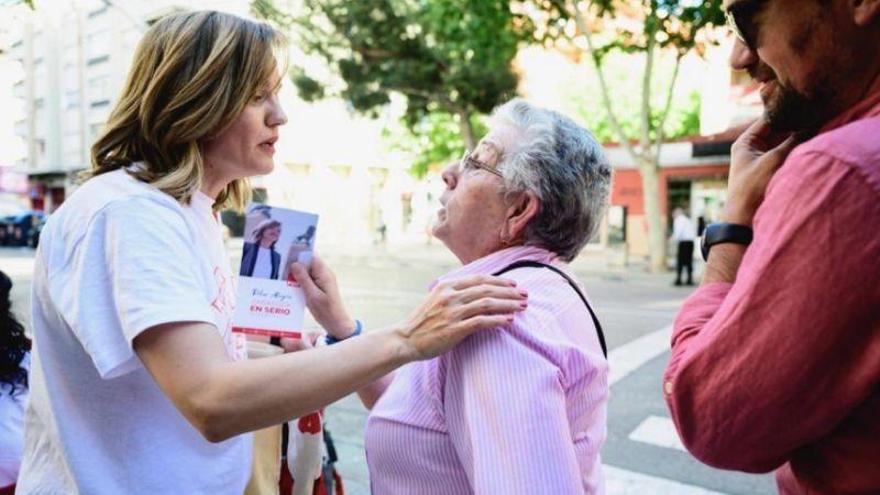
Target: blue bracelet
<point>358,328</point>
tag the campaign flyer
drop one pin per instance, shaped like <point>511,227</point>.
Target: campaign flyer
<point>269,300</point>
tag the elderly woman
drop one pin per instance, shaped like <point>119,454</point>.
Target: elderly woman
<point>520,409</point>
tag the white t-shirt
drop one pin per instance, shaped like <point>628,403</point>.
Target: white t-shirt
<point>263,264</point>
<point>682,229</point>
<point>12,428</point>
<point>120,257</point>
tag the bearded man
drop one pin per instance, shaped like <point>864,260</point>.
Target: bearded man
<point>776,357</point>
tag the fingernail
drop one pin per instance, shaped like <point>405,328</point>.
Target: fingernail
<point>524,305</point>
<point>524,293</point>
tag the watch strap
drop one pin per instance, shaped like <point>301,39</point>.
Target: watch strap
<point>721,233</point>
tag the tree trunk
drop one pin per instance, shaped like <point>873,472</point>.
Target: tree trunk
<point>467,130</point>
<point>649,170</point>
<point>649,165</point>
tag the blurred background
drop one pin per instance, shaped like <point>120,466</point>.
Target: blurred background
<point>381,95</point>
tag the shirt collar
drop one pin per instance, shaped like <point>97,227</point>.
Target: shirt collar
<point>493,262</point>
<point>868,107</point>
<point>202,203</point>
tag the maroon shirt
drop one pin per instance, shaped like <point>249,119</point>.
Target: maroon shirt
<point>781,369</point>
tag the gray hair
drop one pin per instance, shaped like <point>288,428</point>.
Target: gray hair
<point>563,165</point>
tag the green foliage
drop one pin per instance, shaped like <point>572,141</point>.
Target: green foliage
<point>661,33</point>
<point>444,56</point>
<point>668,24</point>
<point>650,29</point>
<point>582,92</point>
<point>433,141</point>
<point>689,122</point>
<point>454,53</point>
<point>10,3</point>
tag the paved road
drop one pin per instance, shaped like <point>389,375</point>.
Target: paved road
<point>642,454</point>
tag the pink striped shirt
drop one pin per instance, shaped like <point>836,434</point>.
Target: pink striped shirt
<point>513,410</point>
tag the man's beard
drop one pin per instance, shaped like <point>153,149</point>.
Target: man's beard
<point>793,111</point>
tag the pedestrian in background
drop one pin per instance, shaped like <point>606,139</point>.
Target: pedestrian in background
<point>683,237</point>
<point>776,357</point>
<point>138,384</point>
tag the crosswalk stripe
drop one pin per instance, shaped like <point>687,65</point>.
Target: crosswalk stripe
<point>631,356</point>
<point>622,482</point>
<point>659,431</point>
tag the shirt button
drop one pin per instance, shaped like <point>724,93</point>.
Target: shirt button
<point>668,387</point>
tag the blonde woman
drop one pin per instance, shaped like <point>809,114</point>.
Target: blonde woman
<point>138,386</point>
<point>259,258</point>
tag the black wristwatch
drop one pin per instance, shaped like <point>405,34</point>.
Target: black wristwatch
<point>720,233</point>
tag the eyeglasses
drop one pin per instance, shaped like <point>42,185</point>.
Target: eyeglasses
<point>741,21</point>
<point>468,162</point>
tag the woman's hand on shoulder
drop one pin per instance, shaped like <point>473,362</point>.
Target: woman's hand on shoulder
<point>457,308</point>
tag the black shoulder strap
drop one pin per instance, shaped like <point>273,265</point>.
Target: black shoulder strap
<point>536,264</point>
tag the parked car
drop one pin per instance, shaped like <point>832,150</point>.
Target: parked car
<point>34,239</point>
<point>20,229</point>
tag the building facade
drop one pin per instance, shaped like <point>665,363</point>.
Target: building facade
<point>73,57</point>
<point>692,176</point>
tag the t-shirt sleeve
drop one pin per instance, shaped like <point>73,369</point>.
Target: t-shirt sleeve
<point>134,268</point>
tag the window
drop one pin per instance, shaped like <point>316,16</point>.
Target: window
<point>616,224</point>
<point>153,19</point>
<point>71,145</point>
<point>94,131</point>
<point>98,44</point>
<point>41,150</point>
<point>98,60</point>
<point>97,12</point>
<point>71,99</point>
<point>98,85</point>
<point>71,118</point>
<point>70,56</point>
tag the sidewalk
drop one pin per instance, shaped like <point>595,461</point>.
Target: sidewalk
<point>605,263</point>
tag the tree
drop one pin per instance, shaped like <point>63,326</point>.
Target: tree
<point>435,139</point>
<point>9,3</point>
<point>597,28</point>
<point>446,56</point>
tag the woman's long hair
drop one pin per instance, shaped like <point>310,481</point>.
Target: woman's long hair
<point>13,344</point>
<point>192,75</point>
<point>262,228</point>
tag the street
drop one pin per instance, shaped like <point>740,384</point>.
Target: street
<point>642,454</point>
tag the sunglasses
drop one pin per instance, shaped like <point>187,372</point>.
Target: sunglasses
<point>741,21</point>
